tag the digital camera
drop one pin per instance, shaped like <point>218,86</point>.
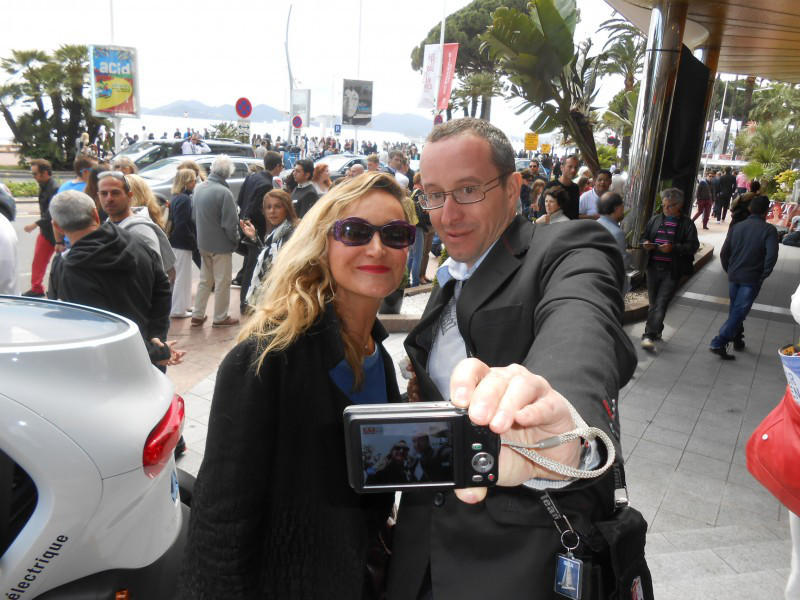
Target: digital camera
<point>423,445</point>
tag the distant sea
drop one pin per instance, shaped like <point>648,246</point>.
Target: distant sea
<point>157,125</point>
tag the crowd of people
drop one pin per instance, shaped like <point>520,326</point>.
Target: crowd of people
<point>319,256</point>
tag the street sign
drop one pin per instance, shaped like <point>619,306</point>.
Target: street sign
<point>545,148</point>
<point>297,121</point>
<point>531,141</point>
<point>243,108</point>
<point>438,120</point>
<point>243,126</point>
<point>337,129</point>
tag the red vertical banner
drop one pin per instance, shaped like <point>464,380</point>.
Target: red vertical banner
<point>448,72</point>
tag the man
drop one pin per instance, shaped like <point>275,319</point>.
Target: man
<point>214,214</point>
<point>261,151</point>
<point>108,268</point>
<point>116,198</point>
<point>792,238</point>
<point>356,170</point>
<point>510,293</point>
<point>587,206</point>
<point>82,166</point>
<point>304,195</point>
<point>373,162</point>
<point>611,211</point>
<point>396,159</point>
<point>547,165</point>
<point>251,208</point>
<point>45,242</point>
<point>748,256</point>
<point>195,145</point>
<point>671,241</point>
<point>569,168</point>
<point>535,172</point>
<point>408,172</point>
<point>727,185</point>
<point>705,198</point>
<point>429,464</point>
<point>9,270</point>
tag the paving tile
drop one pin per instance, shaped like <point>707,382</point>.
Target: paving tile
<point>635,413</point>
<point>705,465</point>
<point>689,504</point>
<point>741,476</point>
<point>732,515</point>
<point>657,543</point>
<point>639,467</point>
<point>673,422</point>
<point>744,586</point>
<point>693,566</point>
<point>729,419</point>
<point>755,501</point>
<point>194,431</point>
<point>197,408</point>
<point>668,437</point>
<point>631,427</point>
<point>710,448</point>
<point>709,488</point>
<point>666,520</point>
<point>762,556</point>
<point>191,460</point>
<point>644,491</point>
<point>205,388</point>
<point>658,452</point>
<point>717,538</point>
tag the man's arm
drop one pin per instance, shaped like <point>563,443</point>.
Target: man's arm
<point>772,253</point>
<point>230,218</point>
<point>160,304</point>
<point>725,252</point>
<point>690,244</point>
<point>204,149</point>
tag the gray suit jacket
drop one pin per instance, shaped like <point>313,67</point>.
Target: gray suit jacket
<point>548,298</point>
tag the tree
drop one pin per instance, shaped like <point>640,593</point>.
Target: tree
<point>224,130</point>
<point>769,148</point>
<point>475,87</point>
<point>536,52</point>
<point>55,87</point>
<point>463,28</point>
<point>620,117</point>
<point>781,102</point>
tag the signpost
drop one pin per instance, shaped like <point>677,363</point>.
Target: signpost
<point>531,141</point>
<point>243,125</point>
<point>337,129</point>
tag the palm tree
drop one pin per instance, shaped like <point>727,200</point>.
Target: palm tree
<point>477,86</point>
<point>769,148</point>
<point>781,102</point>
<point>25,66</point>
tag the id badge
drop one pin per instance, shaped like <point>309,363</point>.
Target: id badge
<point>568,576</point>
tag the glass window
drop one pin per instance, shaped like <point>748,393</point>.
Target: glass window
<point>18,499</point>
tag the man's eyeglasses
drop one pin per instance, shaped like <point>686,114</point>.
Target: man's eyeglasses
<point>469,194</point>
<point>354,231</point>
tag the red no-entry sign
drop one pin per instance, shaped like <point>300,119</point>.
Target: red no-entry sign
<point>297,122</point>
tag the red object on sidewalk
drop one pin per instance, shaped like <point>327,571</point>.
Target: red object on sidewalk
<point>42,253</point>
<point>773,453</point>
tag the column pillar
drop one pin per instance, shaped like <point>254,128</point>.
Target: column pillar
<point>662,59</point>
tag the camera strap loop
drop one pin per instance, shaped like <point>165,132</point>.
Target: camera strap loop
<point>581,431</point>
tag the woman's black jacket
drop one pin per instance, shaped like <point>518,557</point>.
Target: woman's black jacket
<point>272,514</point>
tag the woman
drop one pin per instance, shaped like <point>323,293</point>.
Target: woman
<point>536,192</point>
<point>555,199</point>
<point>124,164</point>
<point>143,196</point>
<point>198,170</point>
<point>321,179</point>
<point>272,513</point>
<point>281,221</point>
<point>183,239</point>
<point>393,467</point>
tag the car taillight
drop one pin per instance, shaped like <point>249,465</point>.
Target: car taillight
<point>162,440</point>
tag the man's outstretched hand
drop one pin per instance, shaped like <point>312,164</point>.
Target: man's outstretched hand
<point>522,408</point>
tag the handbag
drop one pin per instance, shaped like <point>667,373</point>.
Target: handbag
<point>773,452</point>
<point>610,552</point>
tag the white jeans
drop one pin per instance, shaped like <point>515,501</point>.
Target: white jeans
<point>182,288</point>
<point>793,584</point>
<point>215,270</point>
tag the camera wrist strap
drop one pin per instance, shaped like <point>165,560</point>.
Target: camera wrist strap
<point>582,430</point>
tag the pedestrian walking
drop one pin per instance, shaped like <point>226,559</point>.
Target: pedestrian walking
<point>748,256</point>
<point>705,199</point>
<point>46,243</point>
<point>671,242</point>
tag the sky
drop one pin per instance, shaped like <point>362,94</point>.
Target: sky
<point>216,52</point>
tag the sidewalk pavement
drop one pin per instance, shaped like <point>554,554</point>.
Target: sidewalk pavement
<point>686,416</point>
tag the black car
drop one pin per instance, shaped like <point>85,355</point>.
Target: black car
<point>144,154</point>
<point>8,206</point>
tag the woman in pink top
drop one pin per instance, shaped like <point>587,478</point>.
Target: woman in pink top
<point>741,183</point>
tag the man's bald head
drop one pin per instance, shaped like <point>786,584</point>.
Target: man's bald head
<point>357,170</point>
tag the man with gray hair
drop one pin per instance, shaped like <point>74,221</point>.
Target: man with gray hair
<point>215,215</point>
<point>670,239</point>
<point>108,268</point>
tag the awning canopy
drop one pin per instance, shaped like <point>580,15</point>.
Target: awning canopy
<point>755,37</point>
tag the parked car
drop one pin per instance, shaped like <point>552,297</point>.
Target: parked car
<point>8,205</point>
<point>338,164</point>
<point>160,175</point>
<point>144,154</point>
<point>522,163</point>
<point>88,484</point>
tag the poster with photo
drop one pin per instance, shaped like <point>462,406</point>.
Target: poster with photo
<point>357,103</point>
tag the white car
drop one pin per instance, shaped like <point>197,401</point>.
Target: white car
<point>89,493</point>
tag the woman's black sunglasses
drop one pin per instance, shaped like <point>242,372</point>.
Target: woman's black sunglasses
<point>353,231</point>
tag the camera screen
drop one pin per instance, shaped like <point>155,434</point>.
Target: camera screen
<point>406,453</point>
